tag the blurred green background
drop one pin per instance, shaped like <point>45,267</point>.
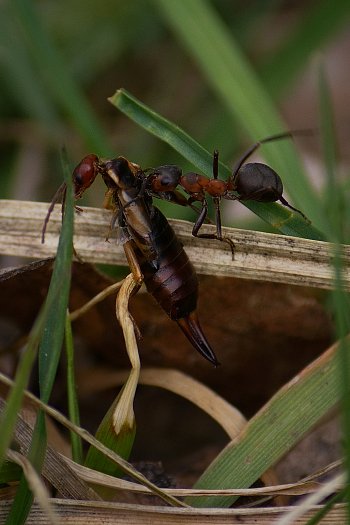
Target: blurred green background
<point>60,60</point>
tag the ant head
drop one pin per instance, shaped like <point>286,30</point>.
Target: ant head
<point>84,174</point>
<point>165,178</point>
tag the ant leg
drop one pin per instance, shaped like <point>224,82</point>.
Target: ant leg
<point>256,196</point>
<point>115,218</point>
<point>240,162</point>
<point>176,197</point>
<point>108,199</point>
<point>285,203</point>
<point>218,235</point>
<point>201,218</point>
<point>215,164</point>
<point>218,227</point>
<point>254,147</point>
<point>109,204</point>
<point>60,196</point>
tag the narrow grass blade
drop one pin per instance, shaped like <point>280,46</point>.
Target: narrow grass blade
<point>340,300</point>
<point>86,436</point>
<point>120,442</point>
<point>274,430</point>
<point>57,298</point>
<point>276,215</point>
<point>53,323</point>
<point>14,400</point>
<point>73,408</point>
<point>335,203</point>
<point>319,515</point>
<point>9,472</point>
<point>60,83</point>
<point>326,490</point>
<point>18,74</point>
<point>317,25</point>
<point>209,42</point>
<point>37,486</point>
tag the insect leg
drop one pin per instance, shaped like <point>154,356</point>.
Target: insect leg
<point>60,196</point>
<point>133,262</point>
<point>218,235</point>
<point>254,147</point>
<point>285,203</point>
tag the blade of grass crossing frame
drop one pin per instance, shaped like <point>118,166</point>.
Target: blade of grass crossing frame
<point>60,83</point>
<point>54,315</point>
<point>14,400</point>
<point>279,217</point>
<point>335,204</point>
<point>19,75</point>
<point>340,300</point>
<point>209,42</point>
<point>274,430</point>
<point>58,296</point>
<point>73,408</point>
<point>317,25</point>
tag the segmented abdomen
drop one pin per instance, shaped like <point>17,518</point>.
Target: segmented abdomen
<point>170,278</point>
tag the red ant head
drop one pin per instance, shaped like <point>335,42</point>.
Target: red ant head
<point>84,174</point>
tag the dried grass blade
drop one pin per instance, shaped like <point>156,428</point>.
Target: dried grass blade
<point>36,485</point>
<point>259,256</point>
<point>85,435</point>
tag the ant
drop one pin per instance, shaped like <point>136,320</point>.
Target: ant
<point>253,181</point>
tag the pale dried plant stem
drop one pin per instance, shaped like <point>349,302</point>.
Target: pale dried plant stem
<point>124,410</point>
<point>95,300</point>
<point>36,485</point>
<point>259,256</point>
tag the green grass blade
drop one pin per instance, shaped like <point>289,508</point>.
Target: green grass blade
<point>274,214</point>
<point>340,300</point>
<point>342,322</point>
<point>335,198</point>
<point>60,83</point>
<point>50,348</point>
<point>58,295</point>
<point>18,75</point>
<point>274,430</point>
<point>228,72</point>
<point>73,408</point>
<point>121,442</point>
<point>316,27</point>
<point>9,472</point>
<point>36,455</point>
<point>319,515</point>
<point>14,400</point>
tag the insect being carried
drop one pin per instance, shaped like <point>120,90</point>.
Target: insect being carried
<point>154,253</point>
<point>253,181</point>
